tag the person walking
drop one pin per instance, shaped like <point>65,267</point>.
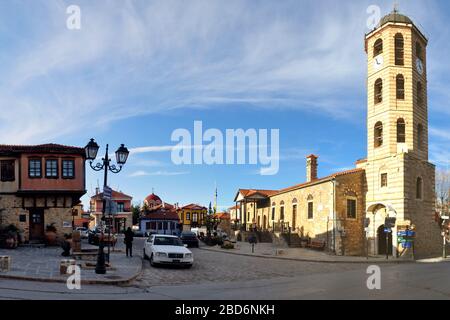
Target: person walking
<point>129,241</point>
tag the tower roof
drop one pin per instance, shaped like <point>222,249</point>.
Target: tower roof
<point>396,18</point>
<point>153,197</point>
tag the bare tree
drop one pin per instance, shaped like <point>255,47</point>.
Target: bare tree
<point>442,190</point>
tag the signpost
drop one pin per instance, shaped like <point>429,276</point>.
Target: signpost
<point>444,240</point>
<point>405,237</point>
<point>107,195</point>
<point>389,223</point>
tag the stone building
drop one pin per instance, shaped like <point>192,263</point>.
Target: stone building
<point>347,210</point>
<point>39,186</point>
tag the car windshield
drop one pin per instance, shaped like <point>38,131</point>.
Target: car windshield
<point>165,241</point>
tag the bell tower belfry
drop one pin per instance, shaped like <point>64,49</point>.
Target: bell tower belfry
<point>400,180</point>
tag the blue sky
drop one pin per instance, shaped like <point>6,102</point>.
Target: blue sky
<point>137,70</point>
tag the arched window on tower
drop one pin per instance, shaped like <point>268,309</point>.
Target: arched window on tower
<point>378,91</point>
<point>419,94</point>
<point>420,136</point>
<point>401,131</point>
<point>399,50</point>
<point>419,188</point>
<point>378,134</point>
<point>378,47</point>
<point>419,51</point>
<point>400,87</point>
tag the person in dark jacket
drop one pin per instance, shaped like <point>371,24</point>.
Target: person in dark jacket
<point>129,235</point>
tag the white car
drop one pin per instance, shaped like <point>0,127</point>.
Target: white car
<point>83,232</point>
<point>165,249</point>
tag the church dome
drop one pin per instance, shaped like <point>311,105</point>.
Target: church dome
<point>153,198</point>
<point>395,17</point>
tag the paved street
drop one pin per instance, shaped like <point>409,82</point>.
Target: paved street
<point>212,267</point>
<point>222,276</point>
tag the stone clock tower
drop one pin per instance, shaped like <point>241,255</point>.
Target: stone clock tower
<point>400,180</point>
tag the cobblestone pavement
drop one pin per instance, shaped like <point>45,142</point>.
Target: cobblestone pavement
<point>210,267</point>
<point>43,264</point>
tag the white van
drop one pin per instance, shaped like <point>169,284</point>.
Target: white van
<point>197,231</point>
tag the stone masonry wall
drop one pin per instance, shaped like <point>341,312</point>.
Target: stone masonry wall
<point>11,210</point>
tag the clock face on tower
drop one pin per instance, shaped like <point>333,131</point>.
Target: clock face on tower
<point>419,65</point>
<point>378,62</point>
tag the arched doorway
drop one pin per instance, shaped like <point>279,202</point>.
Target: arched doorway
<point>384,244</point>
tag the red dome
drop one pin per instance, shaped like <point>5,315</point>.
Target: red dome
<point>153,198</point>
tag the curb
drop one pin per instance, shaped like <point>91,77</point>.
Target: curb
<point>312,260</point>
<point>85,282</point>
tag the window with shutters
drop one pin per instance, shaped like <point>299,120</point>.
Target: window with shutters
<point>400,84</point>
<point>399,50</point>
<point>401,131</point>
<point>351,208</point>
<point>378,134</point>
<point>378,47</point>
<point>378,88</point>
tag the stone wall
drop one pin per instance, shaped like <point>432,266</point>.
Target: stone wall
<point>421,212</point>
<point>11,211</point>
<point>351,187</point>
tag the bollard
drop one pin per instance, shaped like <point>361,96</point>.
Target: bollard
<point>5,263</point>
<point>64,265</point>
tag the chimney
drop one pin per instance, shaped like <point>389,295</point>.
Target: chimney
<point>311,168</point>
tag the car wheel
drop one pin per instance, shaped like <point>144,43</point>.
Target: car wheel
<point>188,266</point>
<point>152,263</point>
<point>145,255</point>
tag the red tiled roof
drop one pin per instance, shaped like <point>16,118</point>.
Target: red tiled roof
<point>161,215</point>
<point>222,216</point>
<point>153,197</point>
<point>194,206</point>
<point>235,207</point>
<point>250,192</point>
<point>332,176</point>
<point>115,195</point>
<point>359,161</point>
<point>42,148</point>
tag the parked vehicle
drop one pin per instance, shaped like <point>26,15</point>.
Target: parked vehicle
<point>199,230</point>
<point>139,234</point>
<point>83,232</point>
<point>167,250</point>
<point>94,236</point>
<point>189,238</point>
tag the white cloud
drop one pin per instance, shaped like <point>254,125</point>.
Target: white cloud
<point>165,55</point>
<point>142,173</point>
<point>139,57</point>
<point>439,133</point>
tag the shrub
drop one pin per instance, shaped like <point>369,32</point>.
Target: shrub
<point>50,228</point>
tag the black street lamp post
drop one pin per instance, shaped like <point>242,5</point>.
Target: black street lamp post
<point>122,153</point>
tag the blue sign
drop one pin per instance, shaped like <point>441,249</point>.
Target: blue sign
<point>387,230</point>
<point>407,245</point>
<point>410,233</point>
<point>107,192</point>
